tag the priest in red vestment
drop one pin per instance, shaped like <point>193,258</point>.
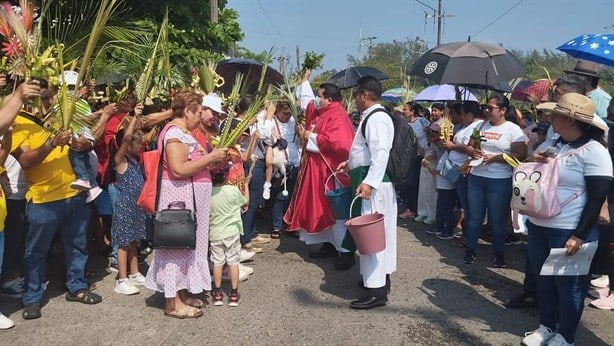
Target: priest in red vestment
<point>328,137</point>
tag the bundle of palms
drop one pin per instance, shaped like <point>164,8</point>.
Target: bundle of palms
<point>161,62</point>
<point>287,94</point>
<point>66,100</point>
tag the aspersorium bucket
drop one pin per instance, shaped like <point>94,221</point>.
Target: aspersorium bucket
<point>367,231</point>
<point>340,200</point>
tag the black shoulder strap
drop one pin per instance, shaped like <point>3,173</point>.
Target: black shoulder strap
<point>364,123</point>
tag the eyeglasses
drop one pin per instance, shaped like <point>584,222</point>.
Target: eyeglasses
<point>489,108</point>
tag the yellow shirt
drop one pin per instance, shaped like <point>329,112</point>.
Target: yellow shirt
<point>50,180</point>
<point>2,209</point>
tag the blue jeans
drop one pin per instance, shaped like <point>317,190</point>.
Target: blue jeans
<point>15,230</point>
<point>561,298</point>
<point>494,194</point>
<point>255,199</point>
<point>529,284</point>
<point>1,250</point>
<point>71,217</point>
<point>281,202</point>
<point>80,161</point>
<point>445,219</point>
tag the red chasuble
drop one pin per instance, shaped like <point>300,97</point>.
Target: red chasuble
<point>309,209</point>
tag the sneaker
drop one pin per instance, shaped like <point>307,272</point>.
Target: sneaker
<point>246,269</point>
<point>245,255</point>
<point>499,261</point>
<point>217,296</point>
<point>558,340</point>
<point>432,230</point>
<point>599,293</point>
<point>406,214</point>
<point>137,279</point>
<point>93,193</point>
<point>419,218</point>
<point>112,268</point>
<point>260,240</point>
<point>605,303</point>
<point>538,337</point>
<point>81,185</point>
<point>125,287</point>
<point>601,282</point>
<point>444,236</point>
<point>469,257</point>
<point>5,322</point>
<point>429,221</point>
<point>234,298</point>
<point>521,301</point>
<point>13,288</point>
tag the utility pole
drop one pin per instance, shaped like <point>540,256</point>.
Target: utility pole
<point>362,39</point>
<point>213,8</point>
<point>298,58</point>
<point>437,13</point>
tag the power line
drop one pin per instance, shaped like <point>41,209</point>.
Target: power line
<point>496,19</point>
<point>425,5</point>
<point>271,22</point>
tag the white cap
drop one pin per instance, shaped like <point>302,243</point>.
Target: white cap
<point>213,102</point>
<point>70,77</point>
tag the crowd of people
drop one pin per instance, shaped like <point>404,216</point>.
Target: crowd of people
<point>91,190</point>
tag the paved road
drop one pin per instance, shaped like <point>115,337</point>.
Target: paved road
<point>293,300</point>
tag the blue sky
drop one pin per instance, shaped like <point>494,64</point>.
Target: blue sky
<point>333,26</point>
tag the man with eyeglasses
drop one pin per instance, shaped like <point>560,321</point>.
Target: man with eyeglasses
<point>367,168</point>
<point>327,140</point>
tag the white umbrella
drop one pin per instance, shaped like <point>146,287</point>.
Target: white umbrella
<point>444,92</point>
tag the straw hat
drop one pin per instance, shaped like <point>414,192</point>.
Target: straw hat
<point>577,107</point>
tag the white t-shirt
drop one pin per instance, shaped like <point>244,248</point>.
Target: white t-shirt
<point>498,140</point>
<point>19,185</point>
<point>592,159</point>
<point>463,136</point>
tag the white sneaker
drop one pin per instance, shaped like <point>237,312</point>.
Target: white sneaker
<point>538,337</point>
<point>93,193</point>
<point>601,282</point>
<point>558,340</point>
<point>125,287</point>
<point>5,322</point>
<point>245,255</point>
<point>81,185</point>
<point>137,279</point>
<point>249,270</point>
<point>429,221</point>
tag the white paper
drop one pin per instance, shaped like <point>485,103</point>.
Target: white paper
<point>559,264</point>
<point>476,162</point>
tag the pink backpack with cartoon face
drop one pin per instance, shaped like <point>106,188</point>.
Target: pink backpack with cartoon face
<point>534,187</point>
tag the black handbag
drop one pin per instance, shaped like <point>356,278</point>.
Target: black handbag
<point>174,228</point>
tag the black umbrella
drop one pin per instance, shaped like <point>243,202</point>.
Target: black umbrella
<point>347,78</point>
<point>251,70</point>
<point>472,64</point>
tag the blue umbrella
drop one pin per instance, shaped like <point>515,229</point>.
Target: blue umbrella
<point>596,48</point>
<point>395,95</point>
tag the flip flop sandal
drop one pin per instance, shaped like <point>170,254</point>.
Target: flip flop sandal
<point>275,234</point>
<point>84,296</point>
<point>195,303</point>
<point>185,312</point>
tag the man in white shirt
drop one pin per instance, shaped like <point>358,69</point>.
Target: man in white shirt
<point>367,166</point>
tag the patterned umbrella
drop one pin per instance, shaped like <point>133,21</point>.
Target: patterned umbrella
<point>396,95</point>
<point>539,89</point>
<point>473,64</point>
<point>596,48</point>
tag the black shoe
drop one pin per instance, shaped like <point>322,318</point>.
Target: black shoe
<point>326,251</point>
<point>376,298</point>
<point>31,311</point>
<point>469,256</point>
<point>522,301</point>
<point>345,261</point>
<point>499,261</point>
